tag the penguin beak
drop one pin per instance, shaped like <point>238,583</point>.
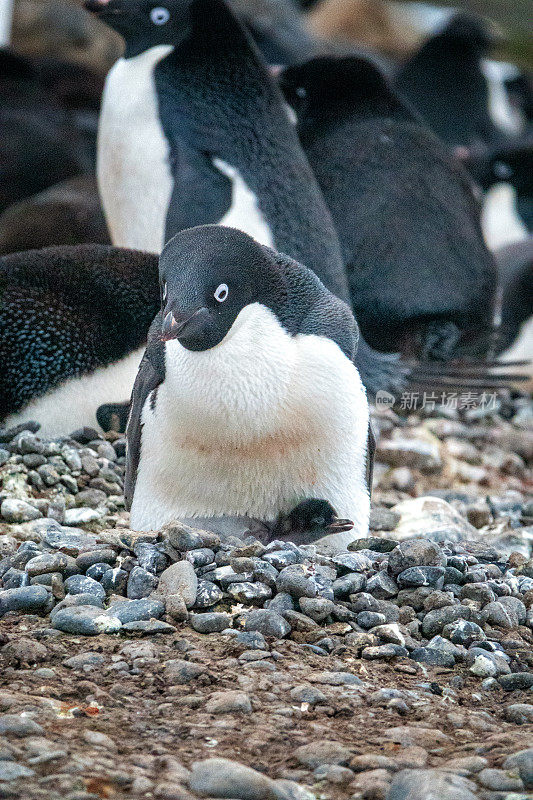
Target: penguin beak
<point>182,326</point>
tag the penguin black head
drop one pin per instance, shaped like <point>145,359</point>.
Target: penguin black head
<point>144,23</point>
<point>312,88</point>
<point>208,275</point>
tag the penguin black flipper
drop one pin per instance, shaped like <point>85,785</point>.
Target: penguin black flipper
<point>151,374</point>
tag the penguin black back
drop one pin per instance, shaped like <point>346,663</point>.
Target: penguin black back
<point>66,311</point>
<point>213,85</point>
<point>405,212</point>
<point>68,213</point>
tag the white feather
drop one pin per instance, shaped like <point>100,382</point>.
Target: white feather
<point>133,170</point>
<point>244,212</point>
<point>500,221</point>
<point>507,118</point>
<point>74,403</point>
<point>252,427</point>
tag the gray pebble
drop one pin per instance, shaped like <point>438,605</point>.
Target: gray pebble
<point>25,598</point>
<point>85,621</point>
<point>141,583</point>
<point>81,584</point>
<point>267,622</point>
<point>429,655</point>
<point>207,595</point>
<point>210,622</point>
<point>247,592</point>
<point>134,610</point>
<point>16,511</point>
<point>415,553</point>
<point>516,681</point>
<point>296,581</point>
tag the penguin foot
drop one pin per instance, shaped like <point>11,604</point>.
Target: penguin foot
<point>308,521</point>
<point>441,340</point>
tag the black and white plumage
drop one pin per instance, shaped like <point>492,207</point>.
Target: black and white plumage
<point>192,120</point>
<point>73,323</point>
<point>247,401</point>
<point>482,108</point>
<point>420,274</point>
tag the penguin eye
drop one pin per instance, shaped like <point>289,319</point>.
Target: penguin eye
<point>502,170</point>
<point>165,292</point>
<point>159,15</point>
<point>301,92</point>
<point>221,293</point>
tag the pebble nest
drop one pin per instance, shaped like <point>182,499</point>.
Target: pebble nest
<point>444,581</point>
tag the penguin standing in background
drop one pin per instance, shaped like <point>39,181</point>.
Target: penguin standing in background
<point>478,106</point>
<point>73,325</point>
<point>422,280</point>
<point>247,402</point>
<point>68,213</point>
<point>193,121</point>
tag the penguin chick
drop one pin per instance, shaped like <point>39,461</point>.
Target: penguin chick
<point>73,323</point>
<point>247,400</point>
<point>409,224</point>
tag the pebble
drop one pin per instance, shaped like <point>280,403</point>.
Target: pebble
<point>429,655</point>
<point>247,592</point>
<point>417,784</point>
<point>81,584</point>
<point>141,583</point>
<point>11,771</point>
<point>25,598</point>
<point>21,726</point>
<point>208,594</point>
<point>18,511</point>
<point>228,702</point>
<point>210,622</point>
<point>267,622</point>
<point>296,581</point>
<point>516,681</point>
<point>178,671</point>
<point>86,621</point>
<point>52,562</point>
<point>322,752</point>
<point>521,762</point>
<point>136,610</point>
<point>519,713</point>
<point>220,777</point>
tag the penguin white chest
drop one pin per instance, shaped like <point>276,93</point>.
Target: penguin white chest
<point>253,430</point>
<point>244,213</point>
<point>133,170</point>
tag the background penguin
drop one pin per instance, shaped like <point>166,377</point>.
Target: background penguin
<point>247,400</point>
<point>73,323</point>
<point>48,122</point>
<point>472,102</point>
<point>420,274</point>
<point>515,264</point>
<point>68,213</point>
<point>215,142</point>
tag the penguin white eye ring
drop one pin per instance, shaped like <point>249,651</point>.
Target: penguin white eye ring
<point>221,293</point>
<point>160,15</point>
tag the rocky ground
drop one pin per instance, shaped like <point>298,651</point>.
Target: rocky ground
<point>172,665</point>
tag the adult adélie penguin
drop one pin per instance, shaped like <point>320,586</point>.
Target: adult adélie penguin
<point>247,403</point>
<point>193,121</point>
